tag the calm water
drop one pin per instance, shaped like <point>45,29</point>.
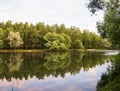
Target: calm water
<point>65,71</point>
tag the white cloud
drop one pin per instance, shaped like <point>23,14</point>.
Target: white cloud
<point>69,12</point>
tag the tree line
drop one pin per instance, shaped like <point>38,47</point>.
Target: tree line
<point>40,36</point>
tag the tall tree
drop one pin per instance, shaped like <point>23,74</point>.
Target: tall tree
<point>14,39</point>
<point>26,29</point>
<point>75,35</point>
<point>110,27</point>
<point>1,38</point>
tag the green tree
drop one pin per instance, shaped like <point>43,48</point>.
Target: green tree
<point>8,23</point>
<point>95,5</point>
<point>56,41</point>
<point>42,30</point>
<point>110,27</point>
<point>91,40</point>
<point>67,40</point>
<point>87,39</point>
<point>14,39</point>
<point>106,44</point>
<point>78,44</point>
<point>25,30</point>
<point>75,34</point>
<point>1,38</point>
<point>34,39</point>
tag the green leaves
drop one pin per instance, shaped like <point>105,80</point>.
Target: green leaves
<point>78,44</point>
<point>1,38</point>
<point>41,36</point>
<point>56,41</point>
<point>95,5</point>
<point>14,39</point>
<point>110,27</point>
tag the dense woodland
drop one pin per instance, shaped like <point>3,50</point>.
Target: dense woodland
<point>40,36</point>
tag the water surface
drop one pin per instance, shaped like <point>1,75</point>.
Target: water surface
<point>52,71</point>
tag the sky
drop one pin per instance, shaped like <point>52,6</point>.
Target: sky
<point>69,12</point>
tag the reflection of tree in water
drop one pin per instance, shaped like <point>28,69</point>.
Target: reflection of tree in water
<point>86,60</point>
<point>21,66</point>
<point>91,59</point>
<point>57,60</point>
<point>110,81</point>
<point>76,59</point>
<point>14,62</point>
<point>1,65</point>
<point>10,64</point>
<point>77,56</point>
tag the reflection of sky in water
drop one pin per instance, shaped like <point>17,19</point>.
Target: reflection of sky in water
<point>83,81</point>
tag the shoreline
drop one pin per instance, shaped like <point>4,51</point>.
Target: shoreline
<point>44,50</point>
<point>21,51</point>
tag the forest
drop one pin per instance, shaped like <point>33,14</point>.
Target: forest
<point>21,35</point>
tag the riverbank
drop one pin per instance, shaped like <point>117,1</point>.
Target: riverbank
<point>21,50</point>
<point>44,50</point>
<point>35,50</point>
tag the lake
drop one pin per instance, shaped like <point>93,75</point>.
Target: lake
<point>53,71</point>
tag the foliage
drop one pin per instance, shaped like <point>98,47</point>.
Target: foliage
<point>95,5</point>
<point>14,39</point>
<point>67,40</point>
<point>75,35</point>
<point>1,38</point>
<point>90,40</point>
<point>56,41</point>
<point>106,44</point>
<point>33,37</point>
<point>78,44</point>
<point>110,26</point>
